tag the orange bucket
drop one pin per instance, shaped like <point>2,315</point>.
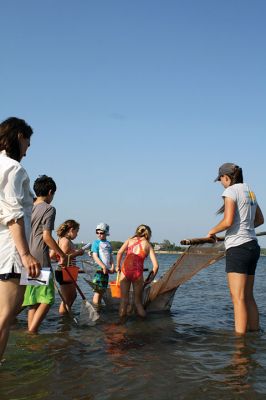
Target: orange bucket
<point>115,289</point>
<point>73,271</point>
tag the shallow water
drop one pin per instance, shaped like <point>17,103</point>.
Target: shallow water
<point>188,353</point>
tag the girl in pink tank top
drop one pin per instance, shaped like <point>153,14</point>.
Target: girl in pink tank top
<point>137,248</point>
<point>133,265</point>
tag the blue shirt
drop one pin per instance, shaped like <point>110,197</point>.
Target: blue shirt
<point>103,249</point>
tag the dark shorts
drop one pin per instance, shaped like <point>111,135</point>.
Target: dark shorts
<point>9,275</point>
<point>243,259</point>
<point>100,279</point>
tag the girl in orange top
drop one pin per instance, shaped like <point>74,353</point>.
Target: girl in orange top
<point>137,248</point>
<point>67,232</point>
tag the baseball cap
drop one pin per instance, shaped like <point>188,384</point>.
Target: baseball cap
<point>225,169</point>
<point>102,226</point>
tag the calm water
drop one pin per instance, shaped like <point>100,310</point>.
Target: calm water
<point>189,353</point>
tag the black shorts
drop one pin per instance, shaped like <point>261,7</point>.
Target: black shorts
<point>243,259</point>
<point>10,275</point>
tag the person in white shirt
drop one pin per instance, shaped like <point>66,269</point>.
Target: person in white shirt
<point>241,215</point>
<point>16,202</point>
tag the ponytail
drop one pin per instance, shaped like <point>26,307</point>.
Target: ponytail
<point>143,231</point>
<point>236,177</point>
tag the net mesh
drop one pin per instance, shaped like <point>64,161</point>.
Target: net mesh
<point>195,258</point>
<point>88,315</point>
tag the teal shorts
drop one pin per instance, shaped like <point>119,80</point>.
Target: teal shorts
<point>100,279</point>
<point>39,294</point>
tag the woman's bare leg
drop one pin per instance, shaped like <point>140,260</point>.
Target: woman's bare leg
<point>11,299</point>
<point>237,285</point>
<point>253,313</point>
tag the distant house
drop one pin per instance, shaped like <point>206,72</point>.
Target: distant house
<point>157,247</point>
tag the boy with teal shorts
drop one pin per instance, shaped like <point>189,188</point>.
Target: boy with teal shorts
<point>39,299</point>
<point>102,255</point>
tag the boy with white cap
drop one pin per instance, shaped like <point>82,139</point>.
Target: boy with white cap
<point>102,255</point>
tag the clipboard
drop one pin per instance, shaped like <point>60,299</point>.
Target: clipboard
<point>41,280</point>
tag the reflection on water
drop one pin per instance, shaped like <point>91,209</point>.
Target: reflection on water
<point>238,371</point>
<point>189,353</point>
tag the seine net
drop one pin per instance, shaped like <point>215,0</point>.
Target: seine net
<point>195,258</point>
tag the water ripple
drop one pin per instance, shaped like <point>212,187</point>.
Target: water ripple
<point>188,353</point>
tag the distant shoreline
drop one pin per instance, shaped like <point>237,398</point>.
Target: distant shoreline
<point>168,252</point>
<point>160,252</point>
<point>181,252</point>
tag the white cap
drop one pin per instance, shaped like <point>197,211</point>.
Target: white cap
<point>103,227</point>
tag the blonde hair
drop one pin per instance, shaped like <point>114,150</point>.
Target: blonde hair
<point>65,226</point>
<point>143,231</point>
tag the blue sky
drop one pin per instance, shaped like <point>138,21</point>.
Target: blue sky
<point>135,104</point>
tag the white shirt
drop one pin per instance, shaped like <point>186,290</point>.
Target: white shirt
<point>242,230</point>
<point>16,200</point>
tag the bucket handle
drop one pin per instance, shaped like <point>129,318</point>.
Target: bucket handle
<point>117,278</point>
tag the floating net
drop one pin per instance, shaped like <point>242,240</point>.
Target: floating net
<point>195,258</point>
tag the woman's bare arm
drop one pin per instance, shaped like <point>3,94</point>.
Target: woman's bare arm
<point>228,219</point>
<point>18,234</point>
<point>259,218</point>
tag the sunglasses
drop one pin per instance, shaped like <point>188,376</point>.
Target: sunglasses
<point>100,233</point>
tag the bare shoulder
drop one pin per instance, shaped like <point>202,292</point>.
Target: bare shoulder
<point>146,244</point>
<point>65,244</point>
<point>131,240</point>
<point>63,240</point>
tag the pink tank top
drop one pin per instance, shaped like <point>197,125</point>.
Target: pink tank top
<point>133,265</point>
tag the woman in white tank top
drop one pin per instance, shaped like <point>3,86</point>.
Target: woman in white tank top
<point>241,215</point>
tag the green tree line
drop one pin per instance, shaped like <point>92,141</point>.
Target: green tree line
<point>166,245</point>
